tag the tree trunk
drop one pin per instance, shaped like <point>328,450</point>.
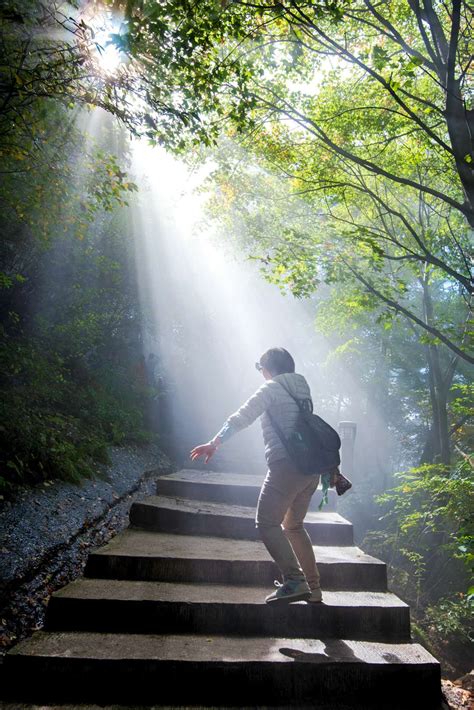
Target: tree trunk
<point>439,385</point>
<point>460,123</point>
<point>431,450</point>
<point>460,120</point>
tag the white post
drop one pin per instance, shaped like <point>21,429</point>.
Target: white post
<point>347,432</point>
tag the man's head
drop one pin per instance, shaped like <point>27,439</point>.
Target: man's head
<point>276,361</point>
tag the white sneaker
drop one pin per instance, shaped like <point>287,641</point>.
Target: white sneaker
<point>316,595</point>
<point>293,590</point>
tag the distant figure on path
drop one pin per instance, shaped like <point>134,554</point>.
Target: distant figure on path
<point>139,372</point>
<point>150,367</point>
<point>286,493</point>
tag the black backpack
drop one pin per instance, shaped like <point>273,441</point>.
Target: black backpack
<point>313,445</point>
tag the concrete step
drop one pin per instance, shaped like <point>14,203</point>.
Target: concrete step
<point>163,607</point>
<point>181,515</point>
<point>177,669</point>
<point>240,489</point>
<point>137,554</point>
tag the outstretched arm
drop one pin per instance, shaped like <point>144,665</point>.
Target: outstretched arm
<point>243,417</point>
<point>209,449</point>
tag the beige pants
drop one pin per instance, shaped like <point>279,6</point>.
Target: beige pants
<point>284,500</point>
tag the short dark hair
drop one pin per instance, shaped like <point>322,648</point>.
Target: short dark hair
<point>277,361</point>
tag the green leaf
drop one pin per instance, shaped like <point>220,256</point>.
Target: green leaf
<point>380,57</point>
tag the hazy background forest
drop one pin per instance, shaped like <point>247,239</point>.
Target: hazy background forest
<point>185,185</point>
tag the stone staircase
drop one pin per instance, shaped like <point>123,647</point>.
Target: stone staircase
<point>171,613</point>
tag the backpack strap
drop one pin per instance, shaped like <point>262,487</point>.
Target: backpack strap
<point>301,407</point>
<point>275,425</point>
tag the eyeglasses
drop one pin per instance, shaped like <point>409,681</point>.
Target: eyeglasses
<point>258,366</point>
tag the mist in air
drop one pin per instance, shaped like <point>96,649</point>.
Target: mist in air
<point>210,315</point>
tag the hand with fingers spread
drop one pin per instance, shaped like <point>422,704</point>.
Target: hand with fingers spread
<point>208,450</point>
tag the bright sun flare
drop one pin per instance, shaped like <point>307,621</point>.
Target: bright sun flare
<point>104,26</point>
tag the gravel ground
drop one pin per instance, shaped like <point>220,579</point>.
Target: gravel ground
<point>459,694</point>
<point>47,532</point>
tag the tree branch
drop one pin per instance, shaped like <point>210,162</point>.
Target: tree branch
<point>401,309</point>
<point>311,126</point>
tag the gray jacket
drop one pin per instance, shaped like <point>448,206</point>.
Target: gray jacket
<point>283,409</point>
